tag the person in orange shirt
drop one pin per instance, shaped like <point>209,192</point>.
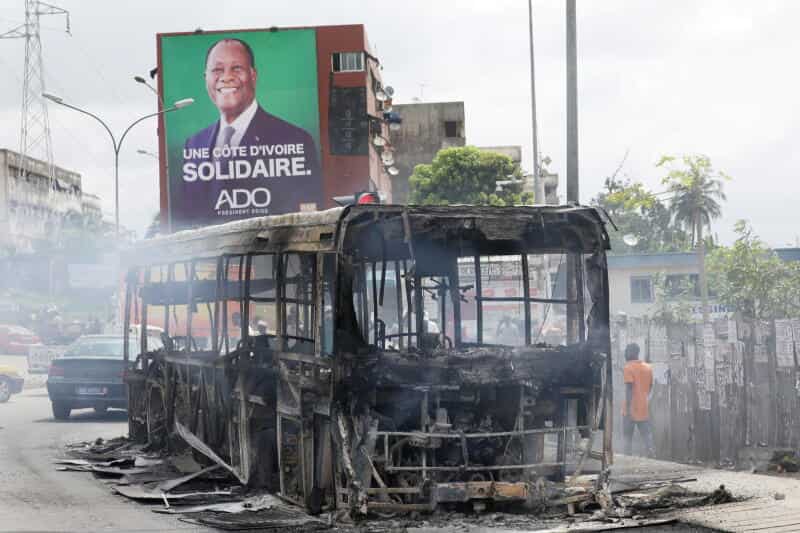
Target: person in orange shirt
<point>638,377</point>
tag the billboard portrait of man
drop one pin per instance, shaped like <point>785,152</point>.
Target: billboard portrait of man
<point>245,161</point>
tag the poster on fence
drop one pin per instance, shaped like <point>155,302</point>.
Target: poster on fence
<point>784,353</point>
<point>709,337</point>
<point>784,345</point>
<point>796,330</point>
<point>737,363</point>
<point>677,370</point>
<point>704,400</point>
<point>660,373</point>
<point>711,382</point>
<point>658,344</point>
<point>733,331</point>
<point>760,353</point>
<point>783,330</point>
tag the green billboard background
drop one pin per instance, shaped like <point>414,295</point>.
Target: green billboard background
<point>286,62</point>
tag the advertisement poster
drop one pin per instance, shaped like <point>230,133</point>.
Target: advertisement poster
<point>250,143</point>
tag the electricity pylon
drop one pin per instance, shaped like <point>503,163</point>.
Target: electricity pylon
<point>34,136</point>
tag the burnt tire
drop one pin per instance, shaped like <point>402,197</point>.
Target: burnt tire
<point>5,390</point>
<point>61,410</point>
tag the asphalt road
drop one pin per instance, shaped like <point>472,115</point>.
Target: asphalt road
<point>34,496</point>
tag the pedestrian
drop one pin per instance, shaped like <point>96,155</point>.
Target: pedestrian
<point>638,378</point>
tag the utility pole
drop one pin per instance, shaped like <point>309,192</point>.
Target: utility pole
<point>536,175</point>
<point>34,138</point>
<point>573,194</point>
<point>573,261</point>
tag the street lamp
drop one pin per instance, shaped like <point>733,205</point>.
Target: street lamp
<point>139,79</point>
<point>118,144</point>
<point>145,152</point>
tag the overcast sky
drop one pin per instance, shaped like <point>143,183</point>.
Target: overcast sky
<point>655,77</point>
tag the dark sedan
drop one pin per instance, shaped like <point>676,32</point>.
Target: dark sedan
<point>89,374</point>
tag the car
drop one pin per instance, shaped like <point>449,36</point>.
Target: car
<point>11,382</point>
<point>89,374</point>
<point>15,340</point>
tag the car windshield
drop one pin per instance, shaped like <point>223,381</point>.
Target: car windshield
<point>99,347</point>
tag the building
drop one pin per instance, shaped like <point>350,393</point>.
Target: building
<point>323,84</point>
<point>636,282</point>
<point>33,207</point>
<point>512,151</point>
<point>426,129</point>
<point>92,208</point>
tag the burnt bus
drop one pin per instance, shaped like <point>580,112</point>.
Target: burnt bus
<point>379,358</point>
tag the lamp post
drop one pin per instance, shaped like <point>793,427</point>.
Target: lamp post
<point>118,144</point>
<point>143,81</point>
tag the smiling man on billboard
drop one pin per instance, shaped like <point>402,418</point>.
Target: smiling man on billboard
<point>248,162</point>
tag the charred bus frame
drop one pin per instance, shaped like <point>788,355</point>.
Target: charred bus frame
<point>353,358</point>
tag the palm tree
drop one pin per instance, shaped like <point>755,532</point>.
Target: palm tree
<point>696,195</point>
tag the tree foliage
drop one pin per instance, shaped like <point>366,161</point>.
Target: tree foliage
<point>697,192</point>
<point>466,175</point>
<point>752,279</point>
<point>637,211</point>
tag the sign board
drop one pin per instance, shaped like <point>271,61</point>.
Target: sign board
<point>250,143</point>
<point>40,356</point>
<point>347,124</point>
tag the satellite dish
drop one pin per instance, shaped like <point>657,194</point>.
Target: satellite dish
<point>393,171</point>
<point>630,239</point>
<point>387,159</point>
<point>380,95</point>
<point>389,90</point>
<point>378,140</point>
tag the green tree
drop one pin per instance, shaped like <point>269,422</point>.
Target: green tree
<point>696,189</point>
<point>637,211</point>
<point>466,175</point>
<point>751,278</point>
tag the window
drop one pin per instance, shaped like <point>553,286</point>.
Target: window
<point>682,286</point>
<point>641,289</point>
<point>299,272</point>
<point>450,128</point>
<point>348,61</point>
<point>262,309</point>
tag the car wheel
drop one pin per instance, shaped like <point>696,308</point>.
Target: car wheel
<point>61,410</point>
<point>5,390</point>
<point>101,409</point>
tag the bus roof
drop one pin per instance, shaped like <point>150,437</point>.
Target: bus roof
<point>320,230</point>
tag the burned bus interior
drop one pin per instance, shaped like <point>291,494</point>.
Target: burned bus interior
<point>378,358</point>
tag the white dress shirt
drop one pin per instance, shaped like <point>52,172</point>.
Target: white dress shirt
<point>239,126</point>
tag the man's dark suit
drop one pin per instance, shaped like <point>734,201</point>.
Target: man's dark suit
<point>194,202</point>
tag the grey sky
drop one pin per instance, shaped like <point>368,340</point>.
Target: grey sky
<point>717,77</point>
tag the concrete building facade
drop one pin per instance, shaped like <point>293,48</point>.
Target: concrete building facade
<point>33,207</point>
<point>426,129</point>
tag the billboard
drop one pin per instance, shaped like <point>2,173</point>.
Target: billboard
<point>250,144</point>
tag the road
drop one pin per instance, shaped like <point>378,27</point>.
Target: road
<point>34,496</point>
